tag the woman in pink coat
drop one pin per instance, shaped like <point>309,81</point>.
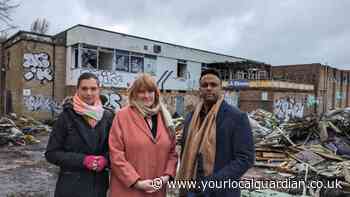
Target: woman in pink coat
<point>142,144</point>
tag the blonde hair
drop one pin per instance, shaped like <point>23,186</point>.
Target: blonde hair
<point>143,82</point>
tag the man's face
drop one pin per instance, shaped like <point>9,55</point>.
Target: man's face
<point>88,91</point>
<point>210,88</point>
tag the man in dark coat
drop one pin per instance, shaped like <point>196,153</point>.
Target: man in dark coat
<point>230,151</point>
<point>78,143</point>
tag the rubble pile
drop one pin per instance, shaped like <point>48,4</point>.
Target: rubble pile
<point>20,130</point>
<point>308,147</point>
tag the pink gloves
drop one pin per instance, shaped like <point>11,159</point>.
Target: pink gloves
<point>95,163</point>
<point>101,163</point>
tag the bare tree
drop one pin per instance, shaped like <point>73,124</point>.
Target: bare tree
<point>6,8</point>
<point>40,26</point>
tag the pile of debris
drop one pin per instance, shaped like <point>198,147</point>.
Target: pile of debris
<point>306,147</point>
<point>20,130</point>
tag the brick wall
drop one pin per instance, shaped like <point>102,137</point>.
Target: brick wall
<point>293,104</point>
<point>2,79</point>
<point>302,73</point>
<point>60,73</point>
<point>37,104</point>
<point>250,100</point>
<point>32,82</point>
<point>14,74</point>
<point>331,90</point>
<point>284,103</point>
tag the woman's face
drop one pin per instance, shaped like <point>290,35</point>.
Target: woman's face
<point>146,97</point>
<point>88,90</point>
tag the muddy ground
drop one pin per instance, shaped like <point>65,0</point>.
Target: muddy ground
<point>24,171</point>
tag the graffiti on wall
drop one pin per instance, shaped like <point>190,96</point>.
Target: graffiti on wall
<point>113,100</point>
<point>164,78</point>
<point>311,101</point>
<point>169,74</point>
<point>231,98</point>
<point>287,108</point>
<point>340,95</point>
<point>107,78</point>
<point>37,67</point>
<point>41,103</point>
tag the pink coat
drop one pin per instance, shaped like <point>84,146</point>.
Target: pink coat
<point>136,155</point>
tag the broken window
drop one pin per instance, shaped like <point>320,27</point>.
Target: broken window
<point>105,59</point>
<point>150,64</point>
<point>122,60</point>
<point>88,58</point>
<point>344,78</point>
<point>240,75</point>
<point>232,75</point>
<point>181,68</point>
<point>136,61</point>
<point>75,56</point>
<point>262,75</point>
<point>204,66</point>
<point>224,74</point>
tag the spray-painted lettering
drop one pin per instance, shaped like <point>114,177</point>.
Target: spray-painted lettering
<point>41,103</point>
<point>113,100</point>
<point>107,78</point>
<point>288,108</point>
<point>37,67</point>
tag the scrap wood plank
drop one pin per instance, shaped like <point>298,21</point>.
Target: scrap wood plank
<point>276,167</point>
<point>265,149</point>
<point>320,150</point>
<point>297,159</point>
<point>271,159</point>
<point>309,157</point>
<point>274,155</point>
<point>285,135</point>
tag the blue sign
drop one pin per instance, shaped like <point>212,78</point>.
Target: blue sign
<point>239,83</point>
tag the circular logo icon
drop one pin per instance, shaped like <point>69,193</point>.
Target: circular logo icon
<point>157,183</point>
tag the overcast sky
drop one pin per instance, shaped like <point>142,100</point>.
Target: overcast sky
<point>275,32</point>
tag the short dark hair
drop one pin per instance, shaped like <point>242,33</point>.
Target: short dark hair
<point>210,71</point>
<point>88,76</point>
